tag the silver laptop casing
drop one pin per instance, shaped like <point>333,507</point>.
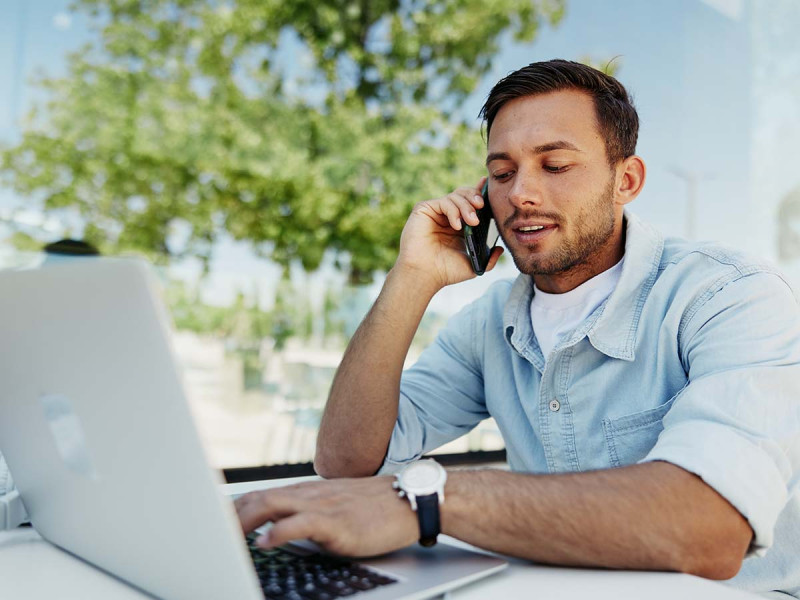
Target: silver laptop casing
<point>97,432</point>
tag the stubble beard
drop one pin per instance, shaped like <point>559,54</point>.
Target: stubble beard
<point>593,227</point>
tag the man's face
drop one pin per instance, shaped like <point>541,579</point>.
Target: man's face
<point>548,167</point>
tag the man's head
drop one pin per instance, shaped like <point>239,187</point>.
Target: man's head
<point>561,143</point>
<point>616,116</point>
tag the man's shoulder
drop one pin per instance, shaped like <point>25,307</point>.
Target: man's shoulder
<point>501,289</point>
<point>503,292</point>
<point>711,262</point>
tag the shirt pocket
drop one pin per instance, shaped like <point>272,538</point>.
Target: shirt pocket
<point>631,437</point>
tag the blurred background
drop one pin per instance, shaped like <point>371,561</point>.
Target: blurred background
<point>264,156</point>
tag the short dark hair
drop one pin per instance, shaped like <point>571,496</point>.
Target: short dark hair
<point>71,247</point>
<point>616,116</point>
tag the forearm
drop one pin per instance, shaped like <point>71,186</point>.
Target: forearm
<point>362,406</point>
<point>654,516</point>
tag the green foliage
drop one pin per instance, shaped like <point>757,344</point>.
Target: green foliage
<point>610,66</point>
<point>299,126</point>
<point>244,323</point>
<point>788,218</point>
<point>24,242</point>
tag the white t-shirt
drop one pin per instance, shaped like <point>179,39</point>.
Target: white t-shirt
<point>554,316</point>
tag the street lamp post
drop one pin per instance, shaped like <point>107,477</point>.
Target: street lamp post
<point>692,180</point>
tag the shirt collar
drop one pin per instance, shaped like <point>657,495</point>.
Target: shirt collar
<point>613,332</point>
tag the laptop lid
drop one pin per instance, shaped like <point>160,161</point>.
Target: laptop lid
<point>96,429</point>
<point>100,440</point>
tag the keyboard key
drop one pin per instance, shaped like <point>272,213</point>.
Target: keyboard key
<point>361,583</point>
<point>286,575</point>
<point>318,595</point>
<point>273,590</point>
<point>340,591</point>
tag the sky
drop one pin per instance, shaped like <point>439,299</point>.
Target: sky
<point>709,128</point>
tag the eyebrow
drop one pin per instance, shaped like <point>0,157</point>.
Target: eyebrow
<point>559,145</point>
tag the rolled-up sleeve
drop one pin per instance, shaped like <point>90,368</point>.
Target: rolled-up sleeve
<point>441,395</point>
<point>737,422</point>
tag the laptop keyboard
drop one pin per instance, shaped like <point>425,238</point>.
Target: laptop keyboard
<point>297,574</point>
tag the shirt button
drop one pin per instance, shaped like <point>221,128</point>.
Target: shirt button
<point>555,405</point>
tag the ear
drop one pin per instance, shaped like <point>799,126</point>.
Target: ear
<point>631,173</point>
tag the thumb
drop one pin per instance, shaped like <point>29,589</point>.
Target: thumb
<point>497,251</point>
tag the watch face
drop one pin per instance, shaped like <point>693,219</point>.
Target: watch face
<point>421,475</point>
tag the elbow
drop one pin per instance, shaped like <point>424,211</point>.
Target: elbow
<point>328,465</point>
<point>322,469</point>
<point>718,568</point>
<point>325,465</point>
<point>719,559</point>
<point>327,469</point>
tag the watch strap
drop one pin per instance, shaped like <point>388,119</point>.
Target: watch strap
<point>428,516</point>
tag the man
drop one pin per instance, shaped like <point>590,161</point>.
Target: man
<point>647,390</point>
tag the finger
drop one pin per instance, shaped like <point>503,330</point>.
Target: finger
<point>256,508</point>
<point>449,207</point>
<point>300,526</point>
<point>479,187</point>
<point>465,190</point>
<point>466,207</point>
<point>495,256</point>
<point>475,195</point>
<point>471,195</point>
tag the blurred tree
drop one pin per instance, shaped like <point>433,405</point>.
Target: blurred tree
<point>300,126</point>
<point>333,324</point>
<point>284,313</point>
<point>243,322</point>
<point>608,66</point>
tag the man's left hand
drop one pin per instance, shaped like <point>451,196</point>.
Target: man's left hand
<point>351,517</point>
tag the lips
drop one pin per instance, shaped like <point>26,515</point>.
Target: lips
<point>530,234</point>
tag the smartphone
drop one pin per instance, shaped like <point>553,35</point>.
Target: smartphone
<point>481,239</point>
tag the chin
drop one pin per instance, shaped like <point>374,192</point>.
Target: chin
<point>541,265</point>
<point>532,266</point>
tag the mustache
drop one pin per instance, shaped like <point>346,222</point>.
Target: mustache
<point>527,215</point>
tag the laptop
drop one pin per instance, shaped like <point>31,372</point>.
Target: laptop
<point>96,430</point>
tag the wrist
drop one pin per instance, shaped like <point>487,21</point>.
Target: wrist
<point>422,483</point>
<point>412,277</point>
<point>461,490</point>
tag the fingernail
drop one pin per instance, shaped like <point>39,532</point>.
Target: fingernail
<point>478,197</point>
<point>473,215</point>
<point>263,540</point>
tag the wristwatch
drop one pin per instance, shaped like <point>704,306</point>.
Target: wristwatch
<point>422,483</point>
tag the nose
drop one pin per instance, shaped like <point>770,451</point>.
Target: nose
<point>524,191</point>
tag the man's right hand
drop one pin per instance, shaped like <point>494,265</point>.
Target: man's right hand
<point>432,243</point>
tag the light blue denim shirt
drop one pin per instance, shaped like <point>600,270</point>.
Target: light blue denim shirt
<point>693,359</point>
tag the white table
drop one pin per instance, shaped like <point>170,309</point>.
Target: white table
<point>31,568</point>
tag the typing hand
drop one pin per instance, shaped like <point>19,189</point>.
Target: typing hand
<point>432,243</point>
<point>351,517</point>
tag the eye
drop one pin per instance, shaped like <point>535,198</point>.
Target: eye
<point>556,168</point>
<point>502,176</point>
